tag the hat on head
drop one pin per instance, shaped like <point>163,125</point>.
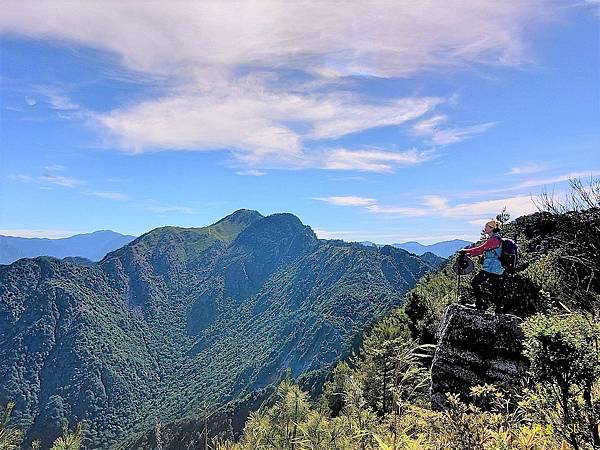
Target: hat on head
<point>493,224</point>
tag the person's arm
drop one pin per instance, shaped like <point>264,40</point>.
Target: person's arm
<point>490,244</point>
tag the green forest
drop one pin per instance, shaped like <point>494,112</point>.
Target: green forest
<point>375,392</point>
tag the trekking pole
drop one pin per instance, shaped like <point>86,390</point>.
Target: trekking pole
<point>462,266</point>
<point>458,270</point>
<point>458,287</point>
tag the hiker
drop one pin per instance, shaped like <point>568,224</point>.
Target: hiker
<point>491,250</point>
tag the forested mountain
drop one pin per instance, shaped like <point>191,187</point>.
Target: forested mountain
<point>91,246</point>
<point>181,317</point>
<point>384,399</point>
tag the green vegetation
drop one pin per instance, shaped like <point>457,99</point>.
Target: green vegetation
<point>378,400</point>
<point>179,318</point>
<point>180,322</point>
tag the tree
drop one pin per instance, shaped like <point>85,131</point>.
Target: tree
<point>69,440</point>
<point>565,356</point>
<point>9,437</point>
<point>578,239</point>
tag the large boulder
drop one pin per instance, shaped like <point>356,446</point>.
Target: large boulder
<point>475,348</point>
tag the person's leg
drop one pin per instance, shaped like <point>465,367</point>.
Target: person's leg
<point>476,283</point>
<point>495,281</point>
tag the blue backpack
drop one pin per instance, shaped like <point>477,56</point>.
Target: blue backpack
<point>508,258</point>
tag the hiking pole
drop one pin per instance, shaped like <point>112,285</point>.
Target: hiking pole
<point>462,266</point>
<point>460,261</point>
<point>458,286</point>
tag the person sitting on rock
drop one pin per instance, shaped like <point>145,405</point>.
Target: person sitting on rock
<point>491,250</point>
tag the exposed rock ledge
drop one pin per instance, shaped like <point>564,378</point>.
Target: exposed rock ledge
<point>474,348</point>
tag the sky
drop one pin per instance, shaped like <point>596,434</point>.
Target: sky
<point>381,121</point>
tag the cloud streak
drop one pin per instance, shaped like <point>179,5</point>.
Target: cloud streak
<point>434,205</point>
<point>51,178</point>
<point>347,200</point>
<point>435,129</point>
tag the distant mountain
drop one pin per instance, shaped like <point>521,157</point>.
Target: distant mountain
<point>435,260</point>
<point>183,316</point>
<point>444,249</point>
<point>92,246</point>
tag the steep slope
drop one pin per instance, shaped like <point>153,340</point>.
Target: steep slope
<point>91,246</point>
<point>184,316</point>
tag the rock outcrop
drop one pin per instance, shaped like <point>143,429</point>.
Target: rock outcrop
<point>475,348</point>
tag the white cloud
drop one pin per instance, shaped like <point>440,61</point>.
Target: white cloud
<point>251,173</point>
<point>50,178</point>
<point>57,100</point>
<point>516,206</point>
<point>407,211</point>
<point>370,160</point>
<point>527,169</point>
<point>536,182</point>
<point>203,51</point>
<point>30,101</point>
<point>349,200</point>
<point>41,233</point>
<point>110,195</point>
<point>556,179</point>
<point>441,134</point>
<point>390,39</point>
<point>254,121</point>
<point>435,201</point>
<point>439,206</point>
<point>61,180</point>
<point>55,168</point>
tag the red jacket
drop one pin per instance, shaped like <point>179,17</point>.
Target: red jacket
<point>491,243</point>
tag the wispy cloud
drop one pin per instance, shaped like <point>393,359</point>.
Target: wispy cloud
<point>37,233</point>
<point>436,129</point>
<point>110,195</point>
<point>266,119</point>
<point>49,177</point>
<point>61,180</point>
<point>528,169</point>
<point>434,205</point>
<point>251,173</point>
<point>406,211</point>
<point>536,182</point>
<point>55,168</point>
<point>58,100</point>
<point>371,160</point>
<point>346,200</point>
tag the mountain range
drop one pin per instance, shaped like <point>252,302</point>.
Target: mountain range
<point>445,249</point>
<point>182,317</point>
<point>92,246</point>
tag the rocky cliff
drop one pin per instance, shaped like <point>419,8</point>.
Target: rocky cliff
<point>475,348</point>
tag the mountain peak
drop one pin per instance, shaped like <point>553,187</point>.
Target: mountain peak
<point>242,217</point>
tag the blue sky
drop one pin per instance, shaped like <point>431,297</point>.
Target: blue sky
<point>387,121</point>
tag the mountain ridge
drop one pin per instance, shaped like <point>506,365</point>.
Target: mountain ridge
<point>180,316</point>
<point>92,246</point>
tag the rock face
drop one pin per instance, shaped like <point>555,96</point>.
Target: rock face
<point>475,348</point>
